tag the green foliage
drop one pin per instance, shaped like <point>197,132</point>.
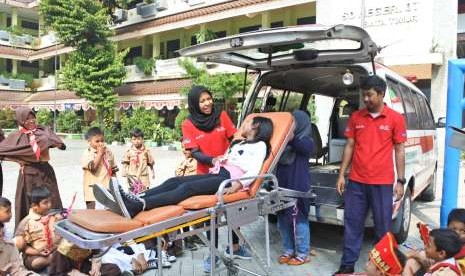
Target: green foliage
<point>68,122</point>
<point>146,65</point>
<point>44,117</point>
<point>165,135</point>
<point>93,73</point>
<point>7,118</point>
<point>28,78</point>
<point>182,115</point>
<point>222,86</point>
<point>312,109</point>
<point>205,35</point>
<point>78,23</point>
<point>146,120</point>
<point>16,30</point>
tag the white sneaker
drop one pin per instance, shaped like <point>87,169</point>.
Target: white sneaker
<point>166,257</point>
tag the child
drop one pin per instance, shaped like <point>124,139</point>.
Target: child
<point>417,260</point>
<point>292,173</point>
<point>98,164</point>
<point>385,258</point>
<point>188,165</point>
<point>137,161</point>
<point>10,260</point>
<point>5,213</point>
<point>443,245</point>
<point>35,235</point>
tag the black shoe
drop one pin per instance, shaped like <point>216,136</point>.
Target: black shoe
<point>103,196</point>
<point>189,244</point>
<point>344,269</point>
<point>130,204</point>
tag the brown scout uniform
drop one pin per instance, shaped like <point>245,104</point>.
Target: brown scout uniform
<point>10,261</point>
<point>136,162</point>
<point>96,173</point>
<point>188,166</point>
<point>38,232</point>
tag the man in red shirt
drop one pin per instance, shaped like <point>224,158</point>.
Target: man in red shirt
<point>372,134</point>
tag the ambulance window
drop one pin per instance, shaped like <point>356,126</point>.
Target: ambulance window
<point>427,116</point>
<point>411,107</point>
<point>394,95</point>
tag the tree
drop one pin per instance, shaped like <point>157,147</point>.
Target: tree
<point>78,23</point>
<point>93,73</point>
<point>224,86</point>
<point>94,69</point>
<point>205,35</point>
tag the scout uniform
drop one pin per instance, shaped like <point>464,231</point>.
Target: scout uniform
<point>96,173</point>
<point>38,232</point>
<point>136,163</point>
<point>187,167</point>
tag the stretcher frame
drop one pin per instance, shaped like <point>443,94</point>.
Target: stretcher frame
<point>231,215</point>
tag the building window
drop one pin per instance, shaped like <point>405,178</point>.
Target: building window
<point>162,50</point>
<point>8,21</point>
<point>27,64</point>
<point>133,53</point>
<point>277,24</point>
<point>250,29</point>
<point>220,34</point>
<point>193,40</point>
<point>9,65</point>
<point>30,25</point>
<point>306,20</point>
<point>172,47</point>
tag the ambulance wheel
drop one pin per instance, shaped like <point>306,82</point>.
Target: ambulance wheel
<point>401,223</point>
<point>429,193</point>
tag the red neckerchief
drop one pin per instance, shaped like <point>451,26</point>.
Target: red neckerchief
<point>461,254</point>
<point>32,140</point>
<point>138,152</point>
<point>106,164</point>
<point>48,233</point>
<point>446,264</point>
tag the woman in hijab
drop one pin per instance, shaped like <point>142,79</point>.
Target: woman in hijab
<point>207,133</point>
<point>29,146</point>
<point>292,173</point>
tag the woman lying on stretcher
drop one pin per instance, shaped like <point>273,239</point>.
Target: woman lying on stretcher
<point>244,158</point>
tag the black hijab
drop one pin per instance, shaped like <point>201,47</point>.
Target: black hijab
<point>200,120</point>
<point>303,128</point>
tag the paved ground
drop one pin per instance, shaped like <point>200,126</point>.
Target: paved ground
<point>326,240</point>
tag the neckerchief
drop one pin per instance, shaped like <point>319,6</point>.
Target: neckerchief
<point>48,234</point>
<point>32,140</point>
<point>106,164</point>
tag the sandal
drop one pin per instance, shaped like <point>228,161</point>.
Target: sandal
<point>284,258</point>
<point>299,260</point>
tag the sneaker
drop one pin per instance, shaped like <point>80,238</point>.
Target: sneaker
<point>207,264</point>
<point>242,253</point>
<point>153,264</point>
<point>189,244</point>
<point>166,257</point>
<point>103,196</point>
<point>130,204</point>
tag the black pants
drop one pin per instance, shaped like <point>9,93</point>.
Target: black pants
<point>176,189</point>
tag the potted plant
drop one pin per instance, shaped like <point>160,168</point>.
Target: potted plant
<point>145,65</point>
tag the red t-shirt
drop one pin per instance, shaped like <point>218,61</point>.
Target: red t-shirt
<point>213,143</point>
<point>372,159</point>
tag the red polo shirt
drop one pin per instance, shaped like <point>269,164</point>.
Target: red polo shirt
<point>213,143</point>
<point>372,159</point>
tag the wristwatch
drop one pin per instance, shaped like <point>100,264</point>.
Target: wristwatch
<point>401,181</point>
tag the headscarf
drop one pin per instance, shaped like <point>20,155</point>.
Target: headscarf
<point>204,122</point>
<point>303,128</point>
<point>17,145</point>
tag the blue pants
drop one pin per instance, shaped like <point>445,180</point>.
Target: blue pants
<point>294,229</point>
<point>359,198</point>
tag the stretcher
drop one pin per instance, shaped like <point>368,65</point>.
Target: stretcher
<point>99,229</point>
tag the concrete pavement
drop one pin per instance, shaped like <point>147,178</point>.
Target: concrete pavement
<point>325,239</point>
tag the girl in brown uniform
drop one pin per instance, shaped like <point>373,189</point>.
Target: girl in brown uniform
<point>29,146</point>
